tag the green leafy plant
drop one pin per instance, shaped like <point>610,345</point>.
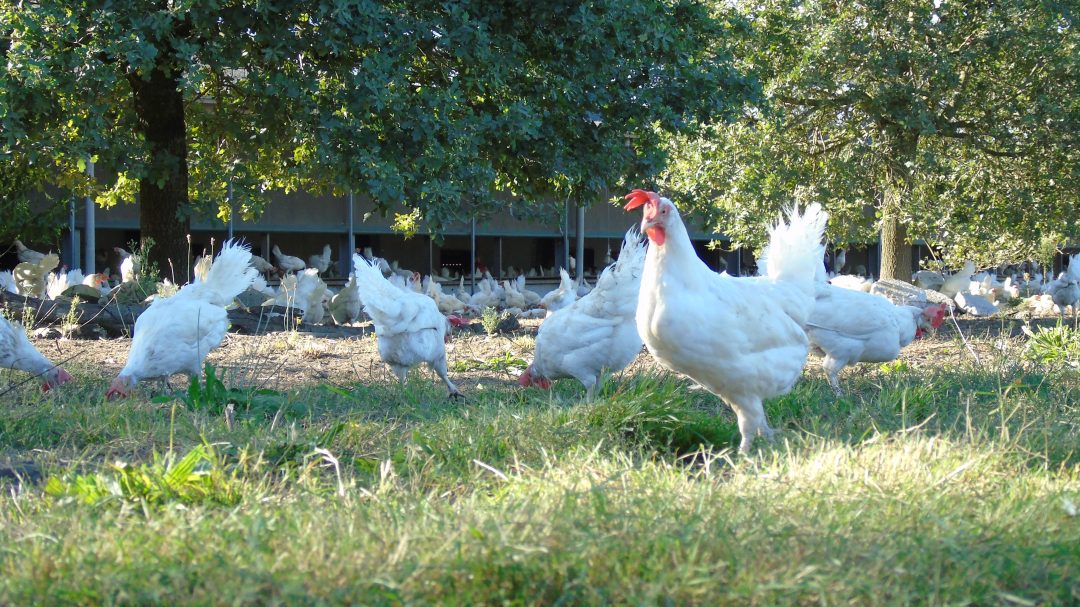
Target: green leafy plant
<point>895,366</point>
<point>1059,345</point>
<point>211,395</point>
<point>196,477</point>
<point>71,320</point>
<point>490,319</point>
<point>507,363</point>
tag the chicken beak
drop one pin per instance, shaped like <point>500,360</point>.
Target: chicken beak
<point>116,389</point>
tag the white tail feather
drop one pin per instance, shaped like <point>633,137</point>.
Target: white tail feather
<point>795,251</point>
<point>230,275</point>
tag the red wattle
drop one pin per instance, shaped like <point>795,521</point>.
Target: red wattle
<point>657,235</point>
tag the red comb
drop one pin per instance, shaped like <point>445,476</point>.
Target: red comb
<point>638,198</point>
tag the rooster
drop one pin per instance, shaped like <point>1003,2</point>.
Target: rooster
<point>175,334</point>
<point>851,326</point>
<point>16,352</point>
<point>740,338</point>
<point>596,332</point>
<point>409,326</point>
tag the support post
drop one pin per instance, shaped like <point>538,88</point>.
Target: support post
<point>71,251</point>
<point>472,255</point>
<point>89,231</point>
<point>566,238</point>
<point>580,249</point>
<point>350,240</point>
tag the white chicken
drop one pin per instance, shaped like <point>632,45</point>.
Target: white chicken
<point>1065,291</point>
<point>852,282</point>
<point>16,352</point>
<point>320,262</point>
<point>287,263</point>
<point>409,326</point>
<point>560,297</point>
<point>596,332</point>
<point>958,282</point>
<point>263,266</point>
<point>532,298</point>
<point>30,277</point>
<point>57,283</point>
<point>511,297</point>
<point>27,255</point>
<point>740,338</point>
<point>175,334</point>
<point>851,326</point>
<point>447,304</point>
<point>7,282</point>
<point>345,304</point>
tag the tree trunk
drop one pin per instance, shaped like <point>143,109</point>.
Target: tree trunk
<point>895,248</point>
<point>163,195</point>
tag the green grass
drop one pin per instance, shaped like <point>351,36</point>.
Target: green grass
<point>957,486</point>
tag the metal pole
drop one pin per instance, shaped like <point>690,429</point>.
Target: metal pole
<point>232,210</point>
<point>501,266</point>
<point>580,244</point>
<point>566,237</point>
<point>350,240</point>
<point>72,246</point>
<point>472,256</point>
<point>431,257</point>
<point>89,231</point>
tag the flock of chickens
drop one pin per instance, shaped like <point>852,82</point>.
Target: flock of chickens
<point>744,339</point>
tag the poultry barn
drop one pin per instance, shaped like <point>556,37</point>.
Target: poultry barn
<point>301,224</point>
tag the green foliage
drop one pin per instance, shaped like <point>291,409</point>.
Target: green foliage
<point>1056,346</point>
<point>507,363</point>
<point>658,413</point>
<point>454,110</point>
<point>956,120</point>
<point>213,397</point>
<point>490,319</point>
<point>196,477</point>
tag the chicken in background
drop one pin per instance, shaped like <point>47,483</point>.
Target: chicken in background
<point>320,262</point>
<point>263,266</point>
<point>958,282</point>
<point>30,278</point>
<point>852,282</point>
<point>532,298</point>
<point>7,283</point>
<point>16,352</point>
<point>409,326</point>
<point>174,334</point>
<point>345,304</point>
<point>1065,291</point>
<point>27,255</point>
<point>561,297</point>
<point>595,333</point>
<point>287,263</point>
<point>740,338</point>
<point>447,304</point>
<point>511,297</point>
<point>851,326</point>
<point>58,282</point>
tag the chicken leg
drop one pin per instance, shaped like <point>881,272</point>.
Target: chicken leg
<point>752,422</point>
